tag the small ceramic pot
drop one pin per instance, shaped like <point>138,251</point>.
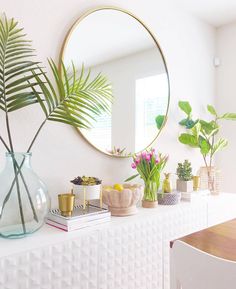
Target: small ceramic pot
<point>122,203</point>
<point>184,186</point>
<point>87,192</point>
<point>169,198</point>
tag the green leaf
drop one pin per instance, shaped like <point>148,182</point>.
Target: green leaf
<point>73,98</point>
<point>16,67</point>
<point>196,130</point>
<point>229,116</point>
<point>131,178</point>
<point>208,127</point>
<point>186,107</point>
<point>188,123</point>
<point>204,146</point>
<point>21,105</point>
<point>189,140</point>
<point>211,109</point>
<point>160,119</point>
<point>219,145</point>
<point>184,122</point>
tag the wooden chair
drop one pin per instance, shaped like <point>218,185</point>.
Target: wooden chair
<point>191,268</point>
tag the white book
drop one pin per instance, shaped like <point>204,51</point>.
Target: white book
<point>195,195</point>
<point>73,227</point>
<point>79,215</point>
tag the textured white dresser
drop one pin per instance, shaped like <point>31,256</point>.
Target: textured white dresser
<point>126,253</point>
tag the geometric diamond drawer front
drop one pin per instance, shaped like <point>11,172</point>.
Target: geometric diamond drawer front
<point>126,253</point>
<point>131,256</point>
<point>67,265</point>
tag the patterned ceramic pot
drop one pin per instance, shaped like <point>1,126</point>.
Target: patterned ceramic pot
<point>169,198</point>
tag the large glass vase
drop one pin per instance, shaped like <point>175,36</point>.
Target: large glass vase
<point>24,200</point>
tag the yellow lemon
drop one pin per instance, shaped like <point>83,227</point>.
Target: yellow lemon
<point>107,188</point>
<point>118,187</point>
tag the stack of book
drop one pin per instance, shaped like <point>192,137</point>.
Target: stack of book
<point>195,195</point>
<point>79,219</point>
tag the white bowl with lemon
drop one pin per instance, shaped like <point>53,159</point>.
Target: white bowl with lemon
<point>122,199</point>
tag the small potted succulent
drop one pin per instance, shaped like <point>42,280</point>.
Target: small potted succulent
<point>87,188</point>
<point>184,172</point>
<point>122,199</point>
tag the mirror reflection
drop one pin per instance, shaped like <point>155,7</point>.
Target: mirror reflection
<point>117,45</point>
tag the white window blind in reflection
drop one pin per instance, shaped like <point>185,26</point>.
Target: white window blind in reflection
<point>150,100</point>
<point>100,134</point>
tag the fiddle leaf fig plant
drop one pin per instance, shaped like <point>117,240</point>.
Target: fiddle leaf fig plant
<point>202,134</point>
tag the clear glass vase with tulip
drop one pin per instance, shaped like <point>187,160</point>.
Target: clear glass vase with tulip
<point>149,165</point>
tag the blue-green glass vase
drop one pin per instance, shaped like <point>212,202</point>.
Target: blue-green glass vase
<point>24,199</point>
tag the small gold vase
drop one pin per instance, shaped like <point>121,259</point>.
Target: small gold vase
<point>66,204</point>
<point>196,183</point>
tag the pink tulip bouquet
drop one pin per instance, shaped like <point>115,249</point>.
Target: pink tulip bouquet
<point>149,166</point>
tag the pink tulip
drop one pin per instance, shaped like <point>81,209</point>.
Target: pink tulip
<point>143,155</point>
<point>133,166</point>
<point>137,161</point>
<point>148,157</point>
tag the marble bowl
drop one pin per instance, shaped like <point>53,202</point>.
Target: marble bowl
<point>123,203</point>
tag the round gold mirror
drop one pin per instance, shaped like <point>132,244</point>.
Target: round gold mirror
<point>118,45</point>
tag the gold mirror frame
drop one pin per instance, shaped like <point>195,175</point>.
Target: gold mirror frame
<point>76,23</point>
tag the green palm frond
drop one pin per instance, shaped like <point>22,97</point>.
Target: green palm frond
<point>76,99</point>
<point>16,66</point>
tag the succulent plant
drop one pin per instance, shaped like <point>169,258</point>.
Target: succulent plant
<point>184,171</point>
<point>86,181</point>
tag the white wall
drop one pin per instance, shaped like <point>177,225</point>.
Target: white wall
<point>60,153</point>
<point>226,101</point>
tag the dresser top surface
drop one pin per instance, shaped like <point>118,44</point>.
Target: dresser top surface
<point>48,235</point>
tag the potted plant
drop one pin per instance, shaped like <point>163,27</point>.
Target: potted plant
<point>203,135</point>
<point>70,97</point>
<point>184,172</point>
<point>87,188</point>
<point>149,166</point>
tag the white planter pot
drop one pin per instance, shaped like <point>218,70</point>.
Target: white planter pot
<point>184,186</point>
<point>87,192</point>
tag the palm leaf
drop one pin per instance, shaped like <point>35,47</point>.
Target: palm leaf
<point>16,66</point>
<point>73,97</point>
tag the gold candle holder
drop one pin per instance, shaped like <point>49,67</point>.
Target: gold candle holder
<point>196,183</point>
<point>66,204</point>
